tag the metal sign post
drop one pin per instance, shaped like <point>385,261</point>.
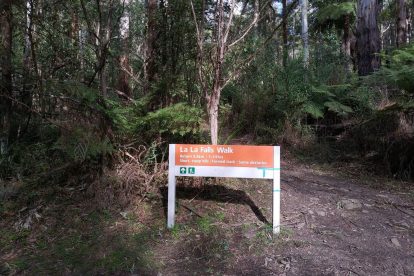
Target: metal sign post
<point>235,161</point>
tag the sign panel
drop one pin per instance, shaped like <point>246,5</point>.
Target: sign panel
<point>224,161</point>
<point>224,156</point>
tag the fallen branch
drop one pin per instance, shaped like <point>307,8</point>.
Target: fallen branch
<point>402,211</point>
<point>191,210</point>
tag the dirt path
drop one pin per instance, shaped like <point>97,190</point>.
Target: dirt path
<point>330,226</point>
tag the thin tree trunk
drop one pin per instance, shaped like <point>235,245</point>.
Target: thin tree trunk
<point>401,23</point>
<point>123,78</point>
<point>81,52</point>
<point>6,82</point>
<point>305,35</point>
<point>214,98</point>
<point>149,69</point>
<point>410,19</point>
<point>285,32</point>
<point>26,95</point>
<point>105,35</point>
<point>27,61</point>
<point>346,42</point>
<point>368,37</point>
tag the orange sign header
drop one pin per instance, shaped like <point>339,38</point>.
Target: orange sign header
<point>224,156</point>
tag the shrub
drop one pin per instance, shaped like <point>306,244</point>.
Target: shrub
<point>176,123</point>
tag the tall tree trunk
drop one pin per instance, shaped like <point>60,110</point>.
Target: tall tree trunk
<point>26,95</point>
<point>105,38</point>
<point>6,82</point>
<point>305,35</point>
<point>346,42</point>
<point>410,24</point>
<point>401,23</point>
<point>123,78</point>
<point>27,66</point>
<point>285,32</point>
<point>368,37</point>
<point>213,100</point>
<point>81,52</point>
<point>149,67</point>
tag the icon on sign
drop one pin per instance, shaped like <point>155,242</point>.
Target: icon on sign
<point>191,170</point>
<point>183,170</point>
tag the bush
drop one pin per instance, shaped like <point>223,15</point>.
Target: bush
<point>176,123</point>
<point>282,103</point>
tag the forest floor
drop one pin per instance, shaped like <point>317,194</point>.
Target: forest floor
<point>334,222</point>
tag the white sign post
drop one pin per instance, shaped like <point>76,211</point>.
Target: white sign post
<point>261,162</point>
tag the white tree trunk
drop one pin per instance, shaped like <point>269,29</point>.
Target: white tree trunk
<point>27,44</point>
<point>82,41</point>
<point>305,35</point>
<point>123,78</point>
<point>214,98</point>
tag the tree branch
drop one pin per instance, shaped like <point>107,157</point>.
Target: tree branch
<point>240,66</point>
<point>253,23</point>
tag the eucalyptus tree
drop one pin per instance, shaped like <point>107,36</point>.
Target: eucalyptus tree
<point>150,45</point>
<point>285,32</point>
<point>304,31</point>
<point>123,59</point>
<point>402,28</point>
<point>368,37</point>
<point>222,43</point>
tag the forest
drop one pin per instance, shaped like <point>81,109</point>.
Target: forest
<point>93,92</point>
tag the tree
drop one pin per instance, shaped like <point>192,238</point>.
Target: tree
<point>304,33</point>
<point>401,24</point>
<point>123,78</point>
<point>368,37</point>
<point>342,16</point>
<point>285,31</point>
<point>6,83</point>
<point>222,47</point>
<point>151,37</point>
<point>101,30</point>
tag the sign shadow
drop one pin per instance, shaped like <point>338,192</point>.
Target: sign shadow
<point>215,193</point>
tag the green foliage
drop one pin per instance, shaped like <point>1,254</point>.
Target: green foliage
<point>400,71</point>
<point>179,122</point>
<point>272,98</point>
<point>336,11</point>
<point>80,144</point>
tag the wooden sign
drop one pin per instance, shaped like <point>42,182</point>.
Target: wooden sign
<point>224,161</point>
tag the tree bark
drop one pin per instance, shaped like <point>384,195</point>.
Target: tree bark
<point>74,27</point>
<point>410,19</point>
<point>149,67</point>
<point>213,100</point>
<point>401,23</point>
<point>305,35</point>
<point>285,32</point>
<point>346,42</point>
<point>123,78</point>
<point>26,95</point>
<point>368,37</point>
<point>6,82</point>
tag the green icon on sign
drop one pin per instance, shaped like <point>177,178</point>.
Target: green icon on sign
<point>183,170</point>
<point>191,170</point>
